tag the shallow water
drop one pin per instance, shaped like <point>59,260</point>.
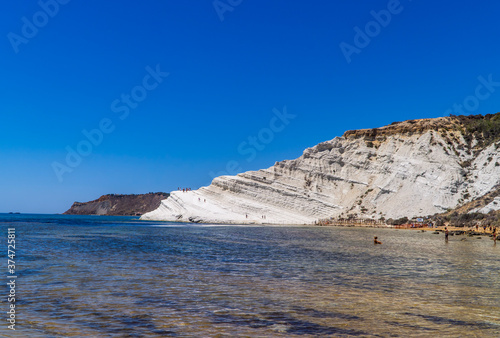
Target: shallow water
<point>117,277</point>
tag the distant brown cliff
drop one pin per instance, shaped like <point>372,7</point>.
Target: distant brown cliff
<point>119,205</point>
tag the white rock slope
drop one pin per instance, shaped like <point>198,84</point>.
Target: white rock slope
<point>409,169</point>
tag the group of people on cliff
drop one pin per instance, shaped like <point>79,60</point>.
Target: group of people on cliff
<point>184,189</point>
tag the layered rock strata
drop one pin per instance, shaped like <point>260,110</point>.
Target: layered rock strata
<point>411,168</point>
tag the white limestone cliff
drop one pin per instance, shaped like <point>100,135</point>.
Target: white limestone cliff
<point>413,168</point>
<point>492,206</point>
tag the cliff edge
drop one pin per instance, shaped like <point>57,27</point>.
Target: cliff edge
<point>406,169</point>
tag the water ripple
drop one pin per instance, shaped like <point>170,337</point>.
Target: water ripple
<point>114,277</point>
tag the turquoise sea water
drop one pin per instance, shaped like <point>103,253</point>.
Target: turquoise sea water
<point>119,277</point>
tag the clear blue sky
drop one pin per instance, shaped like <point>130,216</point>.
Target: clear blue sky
<point>73,69</point>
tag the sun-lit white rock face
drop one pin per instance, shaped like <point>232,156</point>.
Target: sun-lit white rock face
<point>412,169</point>
<point>492,206</point>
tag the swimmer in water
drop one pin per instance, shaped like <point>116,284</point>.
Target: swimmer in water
<point>376,241</point>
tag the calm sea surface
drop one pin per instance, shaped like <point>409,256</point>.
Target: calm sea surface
<point>118,277</point>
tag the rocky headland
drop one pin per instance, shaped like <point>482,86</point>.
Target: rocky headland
<point>119,205</point>
<point>406,169</point>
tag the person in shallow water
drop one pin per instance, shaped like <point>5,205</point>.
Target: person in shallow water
<point>445,233</point>
<point>376,241</point>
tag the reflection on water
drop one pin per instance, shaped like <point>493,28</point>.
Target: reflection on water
<point>116,277</point>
